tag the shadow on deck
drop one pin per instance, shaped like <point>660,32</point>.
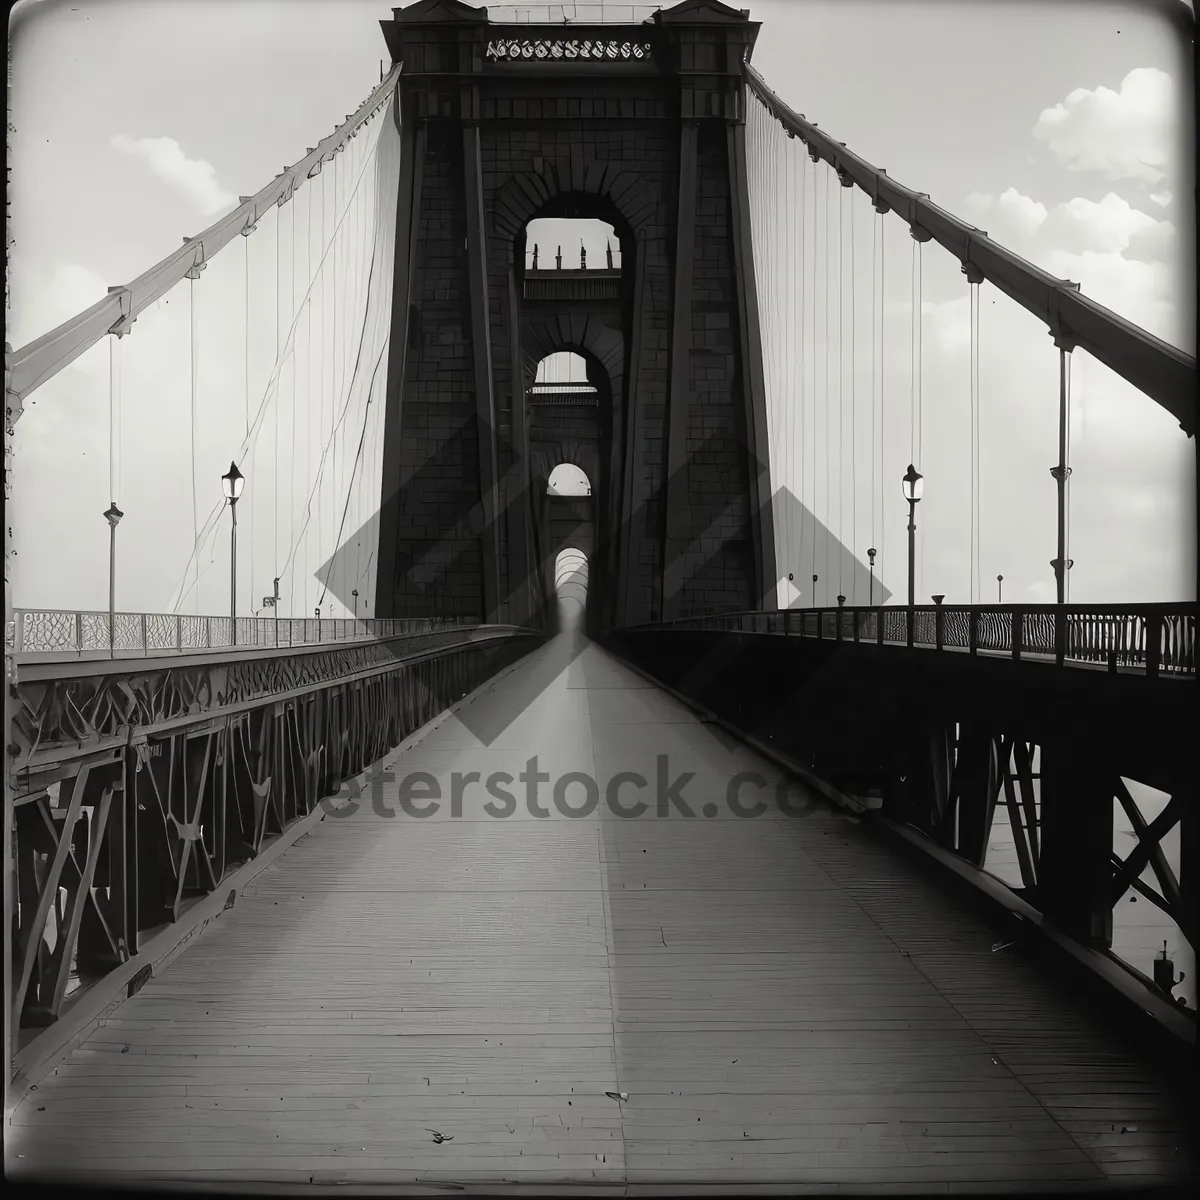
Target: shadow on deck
<point>598,1000</point>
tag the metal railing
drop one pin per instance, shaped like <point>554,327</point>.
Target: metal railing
<point>571,14</point>
<point>1159,639</point>
<point>144,635</point>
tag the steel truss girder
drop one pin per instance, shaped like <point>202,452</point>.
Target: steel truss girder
<point>141,833</point>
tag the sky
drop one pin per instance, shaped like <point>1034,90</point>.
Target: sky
<point>1060,128</point>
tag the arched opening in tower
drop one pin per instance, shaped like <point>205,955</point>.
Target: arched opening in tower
<point>568,480</point>
<point>570,585</point>
<point>571,244</point>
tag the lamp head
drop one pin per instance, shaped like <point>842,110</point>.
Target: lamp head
<point>113,515</point>
<point>871,555</point>
<point>232,482</point>
<point>914,484</point>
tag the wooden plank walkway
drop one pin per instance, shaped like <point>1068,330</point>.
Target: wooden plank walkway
<point>449,999</point>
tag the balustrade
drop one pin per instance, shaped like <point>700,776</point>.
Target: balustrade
<point>1156,639</point>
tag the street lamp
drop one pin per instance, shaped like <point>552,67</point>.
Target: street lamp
<point>871,555</point>
<point>999,589</point>
<point>232,483</point>
<point>113,516</point>
<point>815,578</point>
<point>355,595</point>
<point>914,485</point>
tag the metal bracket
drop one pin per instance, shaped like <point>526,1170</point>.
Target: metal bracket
<point>124,323</point>
<point>199,264</point>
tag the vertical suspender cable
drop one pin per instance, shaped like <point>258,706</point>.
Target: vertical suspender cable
<point>853,407</point>
<point>874,355</point>
<point>335,374</point>
<point>882,371</point>
<point>803,352</point>
<point>192,394</point>
<point>322,291</point>
<point>246,338</point>
<point>920,315</point>
<point>112,428</point>
<point>912,363</point>
<point>278,374</point>
<point>828,389</point>
<point>292,456</point>
<point>971,439</point>
<point>841,451</point>
<point>812,441</point>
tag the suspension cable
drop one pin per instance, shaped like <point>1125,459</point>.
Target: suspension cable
<point>292,456</point>
<point>278,367</point>
<point>812,442</point>
<point>882,371</point>
<point>920,315</point>
<point>112,427</point>
<point>1067,488</point>
<point>912,364</point>
<point>828,389</point>
<point>973,293</point>
<point>192,394</point>
<point>803,349</point>
<point>853,402</point>
<point>874,355</point>
<point>334,346</point>
<point>841,387</point>
<point>246,385</point>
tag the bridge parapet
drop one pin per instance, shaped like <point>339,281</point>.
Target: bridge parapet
<point>1157,639</point>
<point>36,634</point>
<point>1044,719</point>
<point>140,785</point>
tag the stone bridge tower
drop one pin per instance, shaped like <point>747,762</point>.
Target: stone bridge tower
<point>641,126</point>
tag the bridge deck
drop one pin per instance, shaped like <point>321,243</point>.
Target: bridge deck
<point>782,999</point>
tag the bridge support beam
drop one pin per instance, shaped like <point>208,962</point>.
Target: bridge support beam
<point>481,351</point>
<point>754,383</point>
<point>1075,870</point>
<point>676,523</point>
<point>408,223</point>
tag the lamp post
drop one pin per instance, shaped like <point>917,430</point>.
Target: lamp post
<point>815,578</point>
<point>113,516</point>
<point>355,595</point>
<point>914,485</point>
<point>999,589</point>
<point>232,483</point>
<point>871,555</point>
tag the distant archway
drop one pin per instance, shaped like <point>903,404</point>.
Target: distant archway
<point>568,480</point>
<point>570,586</point>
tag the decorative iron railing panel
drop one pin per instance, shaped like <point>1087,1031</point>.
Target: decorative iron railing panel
<point>1157,639</point>
<point>52,631</point>
<point>564,287</point>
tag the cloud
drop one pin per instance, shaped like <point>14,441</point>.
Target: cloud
<point>1011,217</point>
<point>195,178</point>
<point>1106,227</point>
<point>1162,199</point>
<point>1121,256</point>
<point>1126,134</point>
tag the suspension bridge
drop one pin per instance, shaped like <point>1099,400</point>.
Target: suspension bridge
<point>526,778</point>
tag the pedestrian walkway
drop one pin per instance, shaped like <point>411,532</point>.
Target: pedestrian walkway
<point>604,1000</point>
